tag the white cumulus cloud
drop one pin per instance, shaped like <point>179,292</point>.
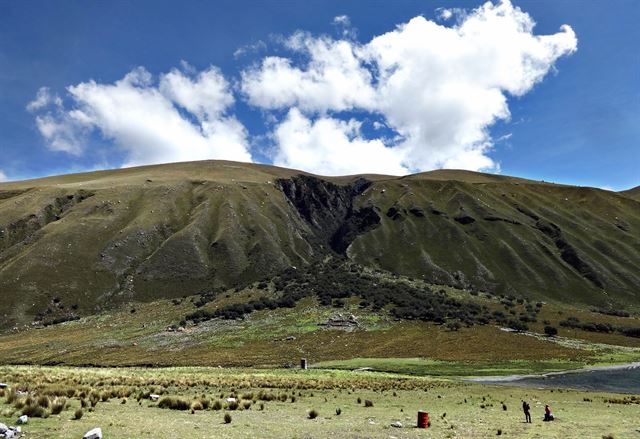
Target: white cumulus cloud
<point>438,88</point>
<point>181,118</point>
<point>332,146</point>
<point>3,176</point>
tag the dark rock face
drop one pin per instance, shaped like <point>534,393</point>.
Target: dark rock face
<point>568,253</point>
<point>464,219</point>
<point>329,209</point>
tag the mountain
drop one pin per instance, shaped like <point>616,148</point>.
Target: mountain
<point>77,244</point>
<point>632,193</point>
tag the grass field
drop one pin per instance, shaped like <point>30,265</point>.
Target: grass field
<point>456,409</point>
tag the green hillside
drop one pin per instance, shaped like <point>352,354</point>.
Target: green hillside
<point>77,244</point>
<point>633,193</point>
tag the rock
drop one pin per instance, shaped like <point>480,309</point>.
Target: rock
<point>96,433</point>
<point>396,424</point>
<point>231,400</point>
<point>9,434</point>
<point>22,420</point>
<point>3,386</point>
<point>154,397</point>
<point>17,429</point>
<point>3,428</point>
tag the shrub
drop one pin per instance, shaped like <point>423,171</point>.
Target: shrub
<point>174,403</point>
<point>10,396</point>
<point>196,405</point>
<point>246,405</point>
<point>368,403</point>
<point>338,412</point>
<point>58,405</point>
<point>233,405</point>
<point>550,330</point>
<point>227,418</point>
<point>217,405</point>
<point>78,414</point>
<point>313,414</point>
<point>359,400</point>
<point>43,401</point>
<point>34,411</point>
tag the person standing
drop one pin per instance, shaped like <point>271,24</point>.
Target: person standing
<point>526,409</point>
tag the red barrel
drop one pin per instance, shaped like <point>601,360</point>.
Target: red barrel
<point>423,419</point>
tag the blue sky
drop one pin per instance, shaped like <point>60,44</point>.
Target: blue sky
<point>577,123</point>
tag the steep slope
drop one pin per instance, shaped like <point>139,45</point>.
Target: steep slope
<point>75,244</point>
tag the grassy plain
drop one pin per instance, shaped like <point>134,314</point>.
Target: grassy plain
<point>457,409</point>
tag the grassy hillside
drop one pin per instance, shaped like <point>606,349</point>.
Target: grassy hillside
<point>633,193</point>
<point>78,244</point>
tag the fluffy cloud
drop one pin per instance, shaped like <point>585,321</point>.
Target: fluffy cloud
<point>331,146</point>
<point>333,79</point>
<point>421,96</point>
<point>181,118</point>
<point>3,176</point>
<point>439,88</point>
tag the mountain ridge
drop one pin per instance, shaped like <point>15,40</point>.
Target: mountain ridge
<point>94,240</point>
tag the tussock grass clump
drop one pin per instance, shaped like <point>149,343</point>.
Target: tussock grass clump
<point>10,396</point>
<point>174,403</point>
<point>58,405</point>
<point>499,432</point>
<point>196,405</point>
<point>608,436</point>
<point>227,418</point>
<point>359,400</point>
<point>246,405</point>
<point>313,413</point>
<point>368,403</point>
<point>43,401</point>
<point>217,405</point>
<point>34,411</point>
<point>233,405</point>
<point>77,415</point>
<point>338,411</point>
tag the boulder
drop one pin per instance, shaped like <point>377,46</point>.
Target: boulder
<point>96,433</point>
<point>9,434</point>
<point>3,385</point>
<point>396,424</point>
<point>3,428</point>
<point>154,397</point>
<point>22,420</point>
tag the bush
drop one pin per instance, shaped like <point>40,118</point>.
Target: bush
<point>34,411</point>
<point>217,405</point>
<point>58,405</point>
<point>368,403</point>
<point>338,412</point>
<point>43,401</point>
<point>313,414</point>
<point>78,414</point>
<point>233,405</point>
<point>227,418</point>
<point>174,403</point>
<point>550,330</point>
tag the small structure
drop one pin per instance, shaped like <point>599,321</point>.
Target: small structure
<point>423,419</point>
<point>303,364</point>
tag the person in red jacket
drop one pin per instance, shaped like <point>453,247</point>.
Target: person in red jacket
<point>548,416</point>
